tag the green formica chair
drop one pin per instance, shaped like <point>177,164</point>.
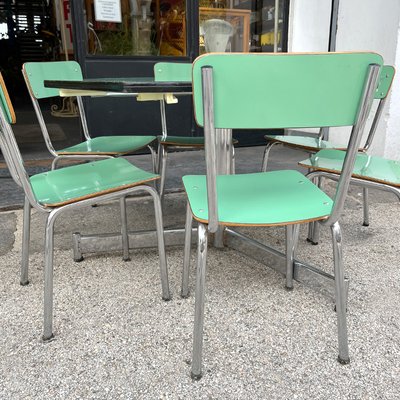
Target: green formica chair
<point>35,73</point>
<point>368,172</point>
<point>55,192</point>
<point>314,144</point>
<point>258,91</point>
<point>174,72</point>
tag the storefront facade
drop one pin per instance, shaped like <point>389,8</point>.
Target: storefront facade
<point>125,38</point>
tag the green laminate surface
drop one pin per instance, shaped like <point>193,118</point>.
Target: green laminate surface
<point>86,180</point>
<point>304,142</point>
<point>267,198</point>
<point>284,90</point>
<point>367,167</point>
<point>112,145</point>
<point>182,141</point>
<point>385,81</point>
<point>38,72</point>
<point>173,72</point>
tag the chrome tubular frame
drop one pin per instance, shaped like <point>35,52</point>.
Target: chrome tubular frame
<point>124,230</point>
<point>340,294</point>
<point>354,144</point>
<point>56,212</point>
<point>266,155</point>
<point>186,254</point>
<point>357,182</point>
<point>164,128</point>
<point>26,230</point>
<point>82,116</point>
<point>199,302</point>
<point>292,234</point>
<point>162,166</point>
<point>365,206</point>
<point>82,157</point>
<point>210,148</point>
<point>374,125</point>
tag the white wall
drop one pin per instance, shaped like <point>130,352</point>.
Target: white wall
<point>362,25</point>
<point>309,22</point>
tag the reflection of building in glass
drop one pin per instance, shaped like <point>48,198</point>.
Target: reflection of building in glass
<point>158,27</point>
<point>171,37</point>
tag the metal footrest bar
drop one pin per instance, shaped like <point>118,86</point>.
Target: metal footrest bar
<point>83,244</point>
<point>304,273</point>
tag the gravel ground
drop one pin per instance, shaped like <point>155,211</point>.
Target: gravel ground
<point>116,338</point>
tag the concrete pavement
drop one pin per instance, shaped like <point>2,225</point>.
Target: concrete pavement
<point>116,338</point>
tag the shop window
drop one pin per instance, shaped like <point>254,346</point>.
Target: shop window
<point>241,25</point>
<point>136,27</point>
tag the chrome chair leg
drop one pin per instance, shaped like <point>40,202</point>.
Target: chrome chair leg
<point>292,234</point>
<point>340,294</point>
<point>55,162</point>
<point>124,230</point>
<point>163,169</point>
<point>266,155</point>
<point>161,243</point>
<point>314,227</point>
<point>313,232</point>
<point>233,161</point>
<point>199,302</point>
<point>153,159</point>
<point>186,254</point>
<point>26,230</point>
<point>365,207</point>
<point>48,276</point>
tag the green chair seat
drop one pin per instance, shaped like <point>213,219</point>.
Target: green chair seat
<point>109,145</point>
<point>69,185</point>
<point>269,198</point>
<point>371,168</point>
<point>184,141</point>
<point>302,142</point>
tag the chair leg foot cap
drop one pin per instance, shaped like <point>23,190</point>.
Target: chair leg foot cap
<point>48,339</point>
<point>335,308</point>
<point>78,259</point>
<point>289,288</point>
<point>166,298</point>
<point>364,224</point>
<point>185,295</point>
<point>343,361</point>
<point>126,259</point>
<point>26,283</point>
<point>312,242</point>
<point>196,377</point>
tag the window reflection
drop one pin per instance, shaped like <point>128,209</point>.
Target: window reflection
<point>158,27</point>
<point>241,25</point>
<point>145,27</point>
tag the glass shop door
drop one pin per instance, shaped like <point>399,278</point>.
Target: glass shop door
<point>125,38</point>
<point>122,38</point>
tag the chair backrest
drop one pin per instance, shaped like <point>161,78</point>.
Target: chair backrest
<point>173,72</point>
<point>384,85</point>
<point>385,82</point>
<point>9,145</point>
<point>35,73</point>
<point>258,91</point>
<point>170,72</point>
